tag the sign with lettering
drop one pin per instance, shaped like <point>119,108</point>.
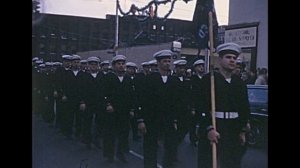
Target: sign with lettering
<point>245,37</point>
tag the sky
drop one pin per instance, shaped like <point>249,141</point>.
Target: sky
<point>100,8</point>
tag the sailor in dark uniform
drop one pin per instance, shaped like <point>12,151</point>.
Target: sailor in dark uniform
<point>59,81</point>
<point>196,79</point>
<point>131,69</point>
<point>146,68</point>
<point>153,66</point>
<point>185,115</point>
<point>92,94</point>
<point>72,97</point>
<point>158,112</point>
<point>104,66</point>
<point>232,112</point>
<point>118,95</point>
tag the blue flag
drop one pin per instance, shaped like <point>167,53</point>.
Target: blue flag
<point>200,21</point>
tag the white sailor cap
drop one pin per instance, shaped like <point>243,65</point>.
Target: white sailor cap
<point>145,63</point>
<point>35,59</point>
<point>48,63</point>
<point>131,64</point>
<point>229,47</point>
<point>239,60</point>
<point>66,57</point>
<point>118,58</point>
<point>200,61</point>
<point>57,63</point>
<point>42,65</point>
<point>104,62</point>
<point>180,62</point>
<point>83,61</point>
<point>152,62</point>
<point>162,54</point>
<point>93,59</point>
<point>39,62</point>
<point>76,57</point>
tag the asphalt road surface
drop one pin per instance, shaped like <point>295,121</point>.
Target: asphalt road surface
<point>50,149</point>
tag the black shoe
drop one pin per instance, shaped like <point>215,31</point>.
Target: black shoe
<point>122,158</point>
<point>168,165</point>
<point>110,160</point>
<point>195,143</point>
<point>137,138</point>
<point>98,145</point>
<point>85,141</point>
<point>69,137</point>
<point>88,146</point>
<point>175,159</point>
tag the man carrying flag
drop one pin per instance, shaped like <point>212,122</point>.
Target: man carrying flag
<point>231,113</point>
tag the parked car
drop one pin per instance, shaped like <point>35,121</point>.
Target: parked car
<point>258,99</point>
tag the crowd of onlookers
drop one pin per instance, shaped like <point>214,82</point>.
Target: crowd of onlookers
<point>257,77</point>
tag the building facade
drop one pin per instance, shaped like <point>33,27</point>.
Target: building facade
<point>55,35</point>
<point>248,20</point>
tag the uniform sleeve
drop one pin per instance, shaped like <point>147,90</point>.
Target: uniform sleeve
<point>143,97</point>
<point>244,106</point>
<point>107,91</point>
<point>204,105</point>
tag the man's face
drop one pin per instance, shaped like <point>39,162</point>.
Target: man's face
<point>93,66</point>
<point>228,62</point>
<point>164,64</point>
<point>105,67</point>
<point>146,68</point>
<point>130,70</point>
<point>84,66</point>
<point>153,68</point>
<point>199,68</point>
<point>237,71</point>
<point>67,63</point>
<point>119,66</point>
<point>76,64</point>
<point>180,70</point>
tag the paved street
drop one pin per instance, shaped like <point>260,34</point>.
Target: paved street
<point>50,149</point>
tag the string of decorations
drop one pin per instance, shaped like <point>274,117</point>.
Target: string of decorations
<point>152,12</point>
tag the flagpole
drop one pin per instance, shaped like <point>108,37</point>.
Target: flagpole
<point>212,82</point>
<point>117,30</point>
<point>207,64</point>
